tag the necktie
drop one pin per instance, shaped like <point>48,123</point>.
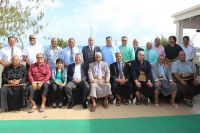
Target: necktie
<point>71,55</point>
<point>120,67</point>
<point>12,52</point>
<point>90,48</point>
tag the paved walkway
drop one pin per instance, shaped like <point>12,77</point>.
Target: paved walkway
<point>122,111</point>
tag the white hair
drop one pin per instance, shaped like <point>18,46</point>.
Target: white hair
<point>99,54</point>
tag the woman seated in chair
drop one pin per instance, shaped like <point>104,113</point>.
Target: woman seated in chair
<point>59,78</point>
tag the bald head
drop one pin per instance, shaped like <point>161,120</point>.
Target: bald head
<point>140,55</point>
<point>182,56</point>
<point>91,41</point>
<point>135,43</point>
<point>15,60</point>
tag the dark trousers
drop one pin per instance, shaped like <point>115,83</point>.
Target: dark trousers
<point>43,91</point>
<point>188,91</point>
<point>123,90</point>
<point>145,90</point>
<point>13,97</point>
<point>57,93</point>
<point>72,87</point>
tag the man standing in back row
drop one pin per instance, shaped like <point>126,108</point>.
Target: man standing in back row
<point>128,52</point>
<point>89,51</point>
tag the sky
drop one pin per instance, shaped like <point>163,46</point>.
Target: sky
<point>141,19</point>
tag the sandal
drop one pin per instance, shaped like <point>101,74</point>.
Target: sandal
<point>41,109</point>
<point>118,102</point>
<point>157,105</point>
<point>105,105</point>
<point>175,105</point>
<point>93,108</point>
<point>32,109</point>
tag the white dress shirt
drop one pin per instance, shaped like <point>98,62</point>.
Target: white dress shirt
<point>190,51</point>
<point>77,72</point>
<point>31,51</point>
<point>98,72</point>
<point>5,53</point>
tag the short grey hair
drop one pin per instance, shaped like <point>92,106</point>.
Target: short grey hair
<point>117,54</point>
<point>54,38</point>
<point>15,56</point>
<point>39,54</point>
<point>78,54</point>
<point>140,51</point>
<point>99,54</point>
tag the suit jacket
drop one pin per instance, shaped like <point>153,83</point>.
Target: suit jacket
<point>167,73</point>
<point>70,72</point>
<point>114,70</point>
<point>104,69</point>
<point>136,67</point>
<point>86,51</point>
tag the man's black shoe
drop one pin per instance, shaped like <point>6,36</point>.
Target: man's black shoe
<point>71,105</point>
<point>84,106</point>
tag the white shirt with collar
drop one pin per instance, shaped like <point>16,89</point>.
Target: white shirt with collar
<point>92,47</point>
<point>31,51</point>
<point>5,52</point>
<point>77,72</point>
<point>190,51</point>
<point>98,71</point>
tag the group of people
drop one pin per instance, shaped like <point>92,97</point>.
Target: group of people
<point>108,73</point>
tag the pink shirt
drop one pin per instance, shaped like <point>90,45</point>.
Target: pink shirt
<point>39,73</point>
<point>160,50</point>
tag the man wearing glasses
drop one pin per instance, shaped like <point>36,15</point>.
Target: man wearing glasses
<point>29,53</point>
<point>39,74</point>
<point>128,52</point>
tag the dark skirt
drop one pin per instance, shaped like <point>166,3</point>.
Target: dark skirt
<point>13,97</point>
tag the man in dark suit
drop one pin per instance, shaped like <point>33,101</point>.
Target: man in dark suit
<point>89,52</point>
<point>121,87</point>
<point>142,78</point>
<point>77,79</point>
<point>136,47</point>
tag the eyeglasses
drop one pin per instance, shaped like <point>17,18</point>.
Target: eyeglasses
<point>124,40</point>
<point>39,57</point>
<point>31,38</point>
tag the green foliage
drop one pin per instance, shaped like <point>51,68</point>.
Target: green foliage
<point>16,19</point>
<point>62,43</point>
<point>163,41</point>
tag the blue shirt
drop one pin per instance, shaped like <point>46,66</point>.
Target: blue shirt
<point>51,55</point>
<point>66,54</point>
<point>108,53</point>
<point>151,56</point>
<point>183,67</point>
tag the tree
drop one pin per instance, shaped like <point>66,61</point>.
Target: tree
<point>163,41</point>
<point>16,19</point>
<point>62,43</point>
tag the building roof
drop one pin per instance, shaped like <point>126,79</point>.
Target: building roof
<point>187,13</point>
